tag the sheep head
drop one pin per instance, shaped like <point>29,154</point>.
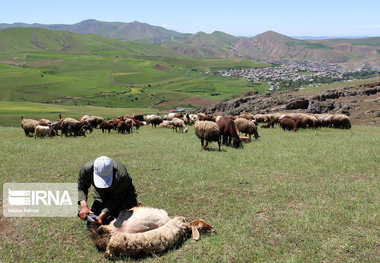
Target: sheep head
<point>200,226</point>
<point>101,235</point>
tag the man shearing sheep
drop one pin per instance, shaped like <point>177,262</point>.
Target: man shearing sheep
<point>113,191</point>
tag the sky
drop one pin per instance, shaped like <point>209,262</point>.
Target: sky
<point>235,17</point>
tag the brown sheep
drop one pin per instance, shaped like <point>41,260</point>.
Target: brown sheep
<point>106,126</point>
<point>207,118</point>
<point>123,126</point>
<point>45,122</point>
<point>288,123</point>
<point>228,131</point>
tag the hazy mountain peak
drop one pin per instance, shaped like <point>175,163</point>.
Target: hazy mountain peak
<point>272,35</point>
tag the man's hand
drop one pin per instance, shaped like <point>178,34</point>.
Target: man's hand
<point>99,220</point>
<point>84,210</point>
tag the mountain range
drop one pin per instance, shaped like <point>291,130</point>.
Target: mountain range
<point>268,45</point>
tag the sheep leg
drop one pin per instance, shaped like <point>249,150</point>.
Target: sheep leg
<point>204,148</point>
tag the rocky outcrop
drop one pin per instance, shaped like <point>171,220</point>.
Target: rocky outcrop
<point>345,100</point>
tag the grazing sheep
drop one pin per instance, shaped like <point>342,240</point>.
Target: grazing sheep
<point>245,139</point>
<point>303,120</point>
<point>138,117</point>
<point>41,131</point>
<point>106,126</point>
<point>247,127</point>
<point>186,119</point>
<point>155,120</point>
<point>261,118</point>
<point>228,131</point>
<point>57,126</point>
<point>77,128</point>
<point>288,123</point>
<point>324,120</point>
<point>178,123</point>
<point>207,131</point>
<point>341,121</point>
<point>246,116</point>
<point>28,125</point>
<point>69,120</point>
<point>166,124</point>
<point>137,123</point>
<point>93,120</point>
<point>145,230</point>
<point>193,118</point>
<point>172,115</point>
<point>201,115</point>
<point>45,122</point>
<point>207,118</point>
<point>123,126</point>
<point>130,122</point>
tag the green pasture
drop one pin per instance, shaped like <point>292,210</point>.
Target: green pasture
<point>11,112</point>
<point>45,66</point>
<point>309,196</point>
<point>115,82</point>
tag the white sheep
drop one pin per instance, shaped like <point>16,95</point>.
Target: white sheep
<point>41,131</point>
<point>145,229</point>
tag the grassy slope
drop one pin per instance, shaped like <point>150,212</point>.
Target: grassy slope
<point>63,67</point>
<point>19,40</point>
<point>310,196</point>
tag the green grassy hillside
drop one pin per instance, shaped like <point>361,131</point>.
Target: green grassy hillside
<point>39,65</point>
<point>16,41</point>
<point>216,44</point>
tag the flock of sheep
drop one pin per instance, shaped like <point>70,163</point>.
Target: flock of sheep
<point>221,129</point>
<point>150,230</point>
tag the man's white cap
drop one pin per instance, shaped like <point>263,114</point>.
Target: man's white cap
<point>103,172</point>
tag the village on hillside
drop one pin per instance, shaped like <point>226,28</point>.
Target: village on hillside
<point>296,73</point>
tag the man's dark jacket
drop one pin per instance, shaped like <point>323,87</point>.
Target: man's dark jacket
<point>120,195</point>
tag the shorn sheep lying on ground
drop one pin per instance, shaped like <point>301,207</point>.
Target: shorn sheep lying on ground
<point>207,131</point>
<point>145,230</point>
